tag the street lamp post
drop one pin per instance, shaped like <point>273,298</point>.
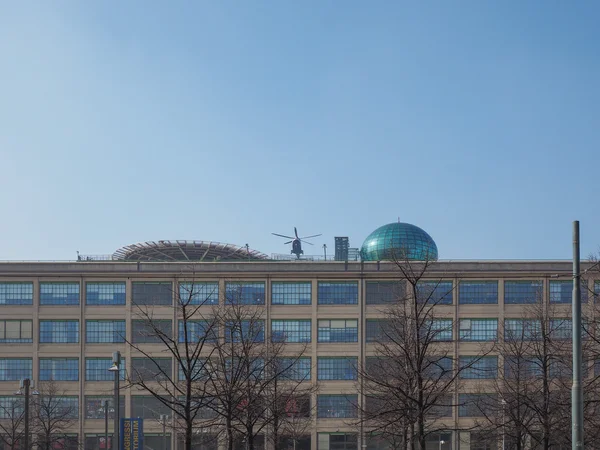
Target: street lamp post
<point>24,389</point>
<point>115,369</point>
<point>442,442</point>
<point>106,424</point>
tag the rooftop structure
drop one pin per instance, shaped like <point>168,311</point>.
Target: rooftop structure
<point>162,251</point>
<point>401,241</point>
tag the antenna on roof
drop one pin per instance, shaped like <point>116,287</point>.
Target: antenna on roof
<point>398,219</point>
<point>325,251</point>
<point>248,250</point>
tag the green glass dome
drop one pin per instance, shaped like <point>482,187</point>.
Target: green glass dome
<point>400,241</point>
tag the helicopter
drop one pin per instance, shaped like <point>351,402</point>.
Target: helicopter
<point>297,242</point>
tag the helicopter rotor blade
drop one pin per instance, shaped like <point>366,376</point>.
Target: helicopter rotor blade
<point>283,236</point>
<point>306,242</point>
<point>296,233</point>
<point>313,236</point>
<point>288,242</point>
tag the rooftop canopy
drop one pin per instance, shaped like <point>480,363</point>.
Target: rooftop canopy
<point>169,251</point>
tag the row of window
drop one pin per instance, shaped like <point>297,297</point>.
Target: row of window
<point>299,369</point>
<point>96,369</point>
<point>289,331</point>
<point>289,293</point>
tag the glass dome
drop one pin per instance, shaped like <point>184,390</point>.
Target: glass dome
<point>401,241</point>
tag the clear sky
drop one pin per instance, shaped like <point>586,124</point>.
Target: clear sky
<point>122,122</point>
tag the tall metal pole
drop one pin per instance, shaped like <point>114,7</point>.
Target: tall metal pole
<point>26,384</point>
<point>117,361</point>
<point>106,424</point>
<point>576,390</point>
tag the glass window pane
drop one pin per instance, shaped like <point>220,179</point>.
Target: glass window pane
<point>291,293</point>
<point>478,292</point>
<point>16,293</point>
<point>522,292</point>
<point>199,293</point>
<point>338,293</point>
<point>59,293</point>
<point>245,293</point>
<point>105,293</point>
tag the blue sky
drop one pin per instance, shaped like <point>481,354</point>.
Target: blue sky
<point>122,122</point>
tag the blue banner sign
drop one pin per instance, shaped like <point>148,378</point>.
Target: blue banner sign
<point>132,434</point>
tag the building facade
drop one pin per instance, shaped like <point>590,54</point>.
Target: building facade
<point>62,321</point>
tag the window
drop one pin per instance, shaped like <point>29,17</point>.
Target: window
<point>59,369</point>
<point>476,405</point>
<point>337,368</point>
<point>522,367</point>
<point>155,441</point>
<point>199,369</point>
<point>479,368</point>
<point>341,330</point>
<point>149,332</point>
<point>384,292</point>
<point>561,328</point>
<point>337,441</point>
<point>478,292</point>
<point>290,330</point>
<point>338,293</point>
<point>478,329</point>
<point>96,369</point>
<point>337,406</point>
<point>562,291</point>
<point>148,369</point>
<point>596,289</point>
<point>96,441</point>
<point>14,369</point>
<point>199,293</point>
<point>245,293</point>
<point>520,292</point>
<point>245,331</point>
<point>59,293</point>
<point>64,442</point>
<point>522,329</point>
<point>198,331</point>
<point>297,369</point>
<point>438,367</point>
<point>16,293</point>
<point>94,406</point>
<point>59,331</point>
<point>152,293</point>
<point>379,330</point>
<point>435,292</point>
<point>486,441</point>
<point>65,407</point>
<point>16,331</point>
<point>441,330</point>
<point>103,331</point>
<point>300,442</point>
<point>11,406</point>
<point>148,407</point>
<point>291,293</point>
<point>105,293</point>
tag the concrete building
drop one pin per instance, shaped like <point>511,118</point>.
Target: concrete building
<point>61,321</point>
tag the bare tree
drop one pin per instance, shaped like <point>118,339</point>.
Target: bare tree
<point>289,396</point>
<point>12,420</point>
<point>54,416</point>
<point>181,391</point>
<point>409,383</point>
<point>530,404</point>
<point>245,374</point>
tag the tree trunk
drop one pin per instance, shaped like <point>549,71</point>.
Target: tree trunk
<point>229,435</point>
<point>188,435</point>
